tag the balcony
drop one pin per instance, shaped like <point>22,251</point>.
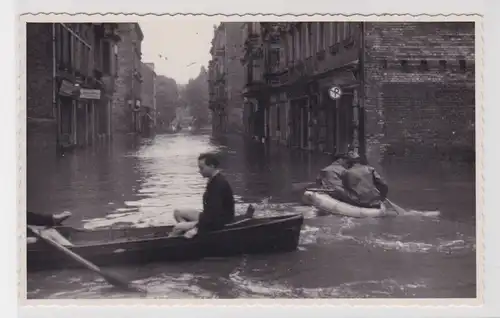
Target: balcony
<point>253,88</point>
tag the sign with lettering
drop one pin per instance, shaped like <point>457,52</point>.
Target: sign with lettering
<point>335,92</point>
<point>87,93</point>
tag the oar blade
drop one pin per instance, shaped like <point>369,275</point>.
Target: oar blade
<point>111,278</point>
<point>121,282</point>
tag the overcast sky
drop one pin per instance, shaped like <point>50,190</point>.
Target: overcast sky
<point>184,46</point>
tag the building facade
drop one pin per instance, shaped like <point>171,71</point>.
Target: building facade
<point>217,81</point>
<point>234,75</point>
<point>226,78</point>
<point>127,103</point>
<point>395,85</point>
<point>71,69</point>
<point>148,96</point>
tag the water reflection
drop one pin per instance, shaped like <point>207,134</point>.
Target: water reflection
<point>139,182</point>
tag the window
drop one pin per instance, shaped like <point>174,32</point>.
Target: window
<point>340,31</point>
<point>66,47</point>
<point>298,47</point>
<point>250,71</point>
<point>404,65</point>
<point>278,117</point>
<point>321,41</point>
<point>335,31</point>
<point>106,58</point>
<point>463,65</point>
<point>347,30</point>
<point>424,66</point>
<point>97,53</point>
<point>442,64</point>
<point>309,39</point>
<point>59,43</point>
<point>115,59</point>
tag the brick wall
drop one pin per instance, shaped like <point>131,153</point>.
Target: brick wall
<point>415,107</point>
<point>41,123</point>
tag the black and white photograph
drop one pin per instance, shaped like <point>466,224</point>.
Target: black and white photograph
<point>250,158</point>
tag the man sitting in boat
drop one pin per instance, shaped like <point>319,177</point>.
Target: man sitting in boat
<point>362,185</point>
<point>44,220</point>
<point>331,176</point>
<point>218,202</point>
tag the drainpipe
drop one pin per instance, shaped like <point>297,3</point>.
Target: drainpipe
<point>361,130</point>
<point>54,99</point>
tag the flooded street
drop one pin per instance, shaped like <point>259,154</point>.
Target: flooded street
<point>138,182</point>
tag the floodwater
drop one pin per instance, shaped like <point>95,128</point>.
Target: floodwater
<point>138,182</point>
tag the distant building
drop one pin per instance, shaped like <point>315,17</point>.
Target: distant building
<point>127,101</point>
<point>148,96</point>
<point>406,88</point>
<point>71,69</point>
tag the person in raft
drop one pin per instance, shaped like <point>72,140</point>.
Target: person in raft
<point>218,202</point>
<point>45,220</point>
<point>361,184</point>
<point>331,176</point>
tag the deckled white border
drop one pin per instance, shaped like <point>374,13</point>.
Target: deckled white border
<point>275,306</point>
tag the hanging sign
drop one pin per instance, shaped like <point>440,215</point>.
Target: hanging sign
<point>87,93</point>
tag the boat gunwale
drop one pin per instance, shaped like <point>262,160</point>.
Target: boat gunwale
<point>177,238</point>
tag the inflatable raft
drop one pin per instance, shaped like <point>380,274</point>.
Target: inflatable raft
<point>324,202</point>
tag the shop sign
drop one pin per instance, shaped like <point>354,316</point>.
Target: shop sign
<point>87,93</point>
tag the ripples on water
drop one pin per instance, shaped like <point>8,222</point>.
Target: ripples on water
<point>409,256</point>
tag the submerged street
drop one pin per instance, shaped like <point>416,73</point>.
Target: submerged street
<point>138,182</point>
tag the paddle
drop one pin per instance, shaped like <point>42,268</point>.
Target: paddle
<point>301,186</point>
<point>397,208</point>
<point>111,278</point>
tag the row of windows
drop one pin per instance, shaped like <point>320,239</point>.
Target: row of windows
<point>312,37</point>
<point>307,39</point>
<point>76,49</point>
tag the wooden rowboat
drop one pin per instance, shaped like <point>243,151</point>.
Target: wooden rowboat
<point>105,247</point>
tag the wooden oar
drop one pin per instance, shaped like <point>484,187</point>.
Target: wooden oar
<point>111,278</point>
<point>399,210</point>
<point>301,186</point>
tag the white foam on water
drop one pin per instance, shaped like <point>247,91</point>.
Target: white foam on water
<point>357,289</point>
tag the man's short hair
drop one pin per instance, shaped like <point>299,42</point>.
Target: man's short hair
<point>210,159</point>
